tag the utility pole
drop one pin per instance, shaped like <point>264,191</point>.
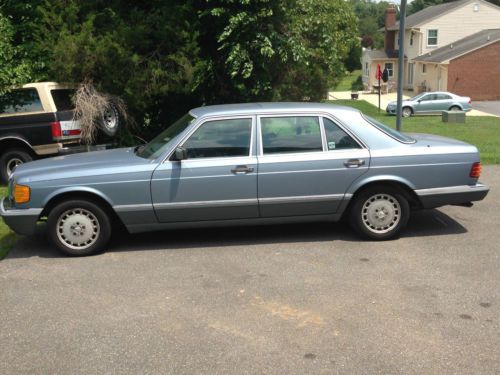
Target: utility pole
<point>402,18</point>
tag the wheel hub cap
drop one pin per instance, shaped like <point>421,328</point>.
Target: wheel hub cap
<point>11,164</point>
<point>381,213</point>
<point>78,228</point>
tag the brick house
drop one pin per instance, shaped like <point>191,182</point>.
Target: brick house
<point>434,30</point>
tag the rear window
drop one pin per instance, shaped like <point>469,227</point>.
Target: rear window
<point>389,131</point>
<point>63,99</point>
<point>20,101</point>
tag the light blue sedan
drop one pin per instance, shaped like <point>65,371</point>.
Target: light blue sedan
<point>245,164</point>
<point>431,103</point>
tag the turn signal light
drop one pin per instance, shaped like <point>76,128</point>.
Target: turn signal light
<point>21,194</point>
<point>475,170</point>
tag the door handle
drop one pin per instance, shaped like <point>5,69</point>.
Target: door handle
<point>354,163</point>
<point>241,169</point>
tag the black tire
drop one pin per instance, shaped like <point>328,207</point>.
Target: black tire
<point>455,108</point>
<point>79,220</point>
<point>111,121</point>
<point>379,213</point>
<point>406,112</point>
<point>11,158</point>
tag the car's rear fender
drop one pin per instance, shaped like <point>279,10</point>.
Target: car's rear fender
<point>365,182</point>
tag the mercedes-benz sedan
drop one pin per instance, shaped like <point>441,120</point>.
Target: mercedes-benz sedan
<point>242,164</point>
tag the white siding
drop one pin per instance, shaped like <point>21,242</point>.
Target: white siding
<point>460,23</point>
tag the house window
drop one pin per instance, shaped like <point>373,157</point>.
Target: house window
<point>390,68</point>
<point>432,37</point>
<point>424,68</point>
<point>411,39</point>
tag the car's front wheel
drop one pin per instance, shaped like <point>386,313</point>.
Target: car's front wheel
<point>79,227</point>
<point>379,213</point>
<point>407,112</point>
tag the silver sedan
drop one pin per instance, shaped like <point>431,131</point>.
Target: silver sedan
<point>243,164</point>
<point>431,103</point>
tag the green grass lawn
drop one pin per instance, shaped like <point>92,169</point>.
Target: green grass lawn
<point>346,83</point>
<point>7,237</point>
<point>481,131</point>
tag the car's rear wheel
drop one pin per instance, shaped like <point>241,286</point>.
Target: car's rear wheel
<point>455,108</point>
<point>79,227</point>
<point>379,213</point>
<point>10,159</point>
<point>407,112</point>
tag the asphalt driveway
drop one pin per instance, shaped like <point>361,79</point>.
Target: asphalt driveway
<point>491,107</point>
<point>291,299</point>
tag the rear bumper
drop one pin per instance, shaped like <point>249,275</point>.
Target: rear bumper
<point>21,221</point>
<point>442,196</point>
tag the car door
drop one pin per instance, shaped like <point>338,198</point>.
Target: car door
<point>217,180</point>
<point>425,104</point>
<point>442,103</point>
<point>306,164</point>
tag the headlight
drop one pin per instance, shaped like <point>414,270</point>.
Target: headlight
<point>21,193</point>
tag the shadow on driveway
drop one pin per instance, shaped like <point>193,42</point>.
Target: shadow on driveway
<point>422,223</point>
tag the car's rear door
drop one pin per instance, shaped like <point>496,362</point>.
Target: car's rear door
<point>218,180</point>
<point>306,164</point>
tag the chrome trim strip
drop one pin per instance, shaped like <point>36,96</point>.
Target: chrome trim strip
<point>132,207</point>
<point>206,204</point>
<point>18,212</point>
<point>452,190</point>
<point>310,170</point>
<point>301,199</point>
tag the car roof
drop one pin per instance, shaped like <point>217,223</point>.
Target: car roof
<point>271,107</point>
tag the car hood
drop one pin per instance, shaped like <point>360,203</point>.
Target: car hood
<point>81,164</point>
<point>395,103</point>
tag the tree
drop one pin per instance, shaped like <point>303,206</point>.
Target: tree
<point>262,50</point>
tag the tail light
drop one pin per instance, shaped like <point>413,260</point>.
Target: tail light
<point>470,101</point>
<point>56,129</point>
<point>475,170</point>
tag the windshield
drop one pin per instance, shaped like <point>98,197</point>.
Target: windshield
<point>416,97</point>
<point>390,131</point>
<point>158,145</point>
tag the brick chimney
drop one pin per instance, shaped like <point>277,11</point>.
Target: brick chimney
<point>390,20</point>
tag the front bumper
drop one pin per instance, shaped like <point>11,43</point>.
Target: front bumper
<point>21,221</point>
<point>391,110</point>
<point>454,195</point>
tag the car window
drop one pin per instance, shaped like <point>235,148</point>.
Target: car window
<point>63,99</point>
<point>220,138</point>
<point>336,138</point>
<point>428,97</point>
<point>290,134</point>
<point>403,138</point>
<point>20,101</point>
<point>443,97</point>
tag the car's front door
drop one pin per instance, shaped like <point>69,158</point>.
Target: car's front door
<point>217,180</point>
<point>306,164</point>
<point>425,104</point>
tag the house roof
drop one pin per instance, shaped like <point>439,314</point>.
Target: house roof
<point>461,46</point>
<point>377,54</point>
<point>432,12</point>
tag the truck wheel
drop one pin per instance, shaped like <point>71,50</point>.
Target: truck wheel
<point>11,159</point>
<point>379,213</point>
<point>110,122</point>
<point>79,227</point>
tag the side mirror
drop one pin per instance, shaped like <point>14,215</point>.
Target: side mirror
<point>180,154</point>
<point>419,100</point>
